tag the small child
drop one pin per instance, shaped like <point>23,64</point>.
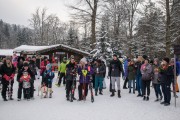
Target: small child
<point>25,78</point>
<point>131,75</point>
<point>48,79</point>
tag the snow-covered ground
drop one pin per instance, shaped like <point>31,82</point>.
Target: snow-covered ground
<point>129,107</point>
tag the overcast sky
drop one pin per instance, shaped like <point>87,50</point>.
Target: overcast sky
<point>19,11</point>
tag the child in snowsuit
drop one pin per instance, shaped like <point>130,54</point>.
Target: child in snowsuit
<point>48,79</point>
<point>25,79</point>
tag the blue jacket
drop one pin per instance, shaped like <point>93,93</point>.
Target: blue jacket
<point>177,67</point>
<point>126,68</point>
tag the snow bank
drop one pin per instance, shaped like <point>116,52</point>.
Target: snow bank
<point>129,107</point>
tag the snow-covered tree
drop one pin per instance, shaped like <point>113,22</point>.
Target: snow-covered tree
<point>103,49</point>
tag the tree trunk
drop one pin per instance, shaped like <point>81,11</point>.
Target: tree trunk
<point>168,42</point>
<point>93,24</point>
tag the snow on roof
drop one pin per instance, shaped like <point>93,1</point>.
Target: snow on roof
<point>33,49</point>
<point>29,48</point>
<point>6,52</point>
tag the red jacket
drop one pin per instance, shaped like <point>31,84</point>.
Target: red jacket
<point>43,66</point>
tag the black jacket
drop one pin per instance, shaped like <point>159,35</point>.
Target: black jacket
<point>71,71</point>
<point>32,66</point>
<point>166,76</point>
<point>7,70</point>
<point>115,68</point>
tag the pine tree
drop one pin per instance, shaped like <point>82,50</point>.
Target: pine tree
<point>103,48</point>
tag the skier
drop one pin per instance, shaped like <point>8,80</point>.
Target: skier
<point>131,75</point>
<point>146,70</point>
<point>71,71</point>
<point>19,75</point>
<point>156,81</point>
<point>48,79</point>
<point>99,70</point>
<point>115,70</point>
<point>61,72</point>
<point>8,73</point>
<point>25,79</point>
<point>166,77</point>
<point>84,71</point>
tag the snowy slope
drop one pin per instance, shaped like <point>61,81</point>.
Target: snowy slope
<point>129,107</point>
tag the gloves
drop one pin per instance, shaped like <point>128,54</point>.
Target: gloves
<point>6,77</point>
<point>12,76</point>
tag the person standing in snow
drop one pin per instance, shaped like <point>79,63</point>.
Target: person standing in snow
<point>32,66</point>
<point>166,77</point>
<point>43,65</point>
<point>131,75</point>
<point>84,71</point>
<point>21,59</point>
<point>48,76</point>
<point>156,81</point>
<point>62,72</point>
<point>146,70</point>
<point>25,79</point>
<point>115,70</point>
<point>99,71</point>
<point>14,59</point>
<point>19,75</point>
<point>139,75</point>
<point>71,71</point>
<point>8,73</point>
<point>125,73</point>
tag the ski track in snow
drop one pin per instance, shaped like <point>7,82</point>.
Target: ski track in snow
<point>129,107</point>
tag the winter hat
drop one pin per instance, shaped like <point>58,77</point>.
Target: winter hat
<point>33,56</point>
<point>72,57</point>
<point>25,64</point>
<point>145,57</point>
<point>8,58</point>
<point>64,59</point>
<point>114,55</point>
<point>49,66</point>
<point>83,60</point>
<point>166,59</point>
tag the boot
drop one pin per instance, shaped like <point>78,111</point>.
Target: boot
<point>144,98</point>
<point>100,92</point>
<point>112,95</point>
<point>96,93</point>
<point>147,98</point>
<point>5,99</point>
<point>119,94</point>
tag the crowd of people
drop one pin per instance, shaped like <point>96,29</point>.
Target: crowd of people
<point>138,73</point>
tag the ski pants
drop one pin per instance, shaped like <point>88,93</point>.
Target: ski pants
<point>146,85</point>
<point>62,75</point>
<point>139,84</point>
<point>117,80</point>
<point>5,85</point>
<point>69,84</point>
<point>157,90</point>
<point>81,87</point>
<point>98,83</point>
<point>166,89</point>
